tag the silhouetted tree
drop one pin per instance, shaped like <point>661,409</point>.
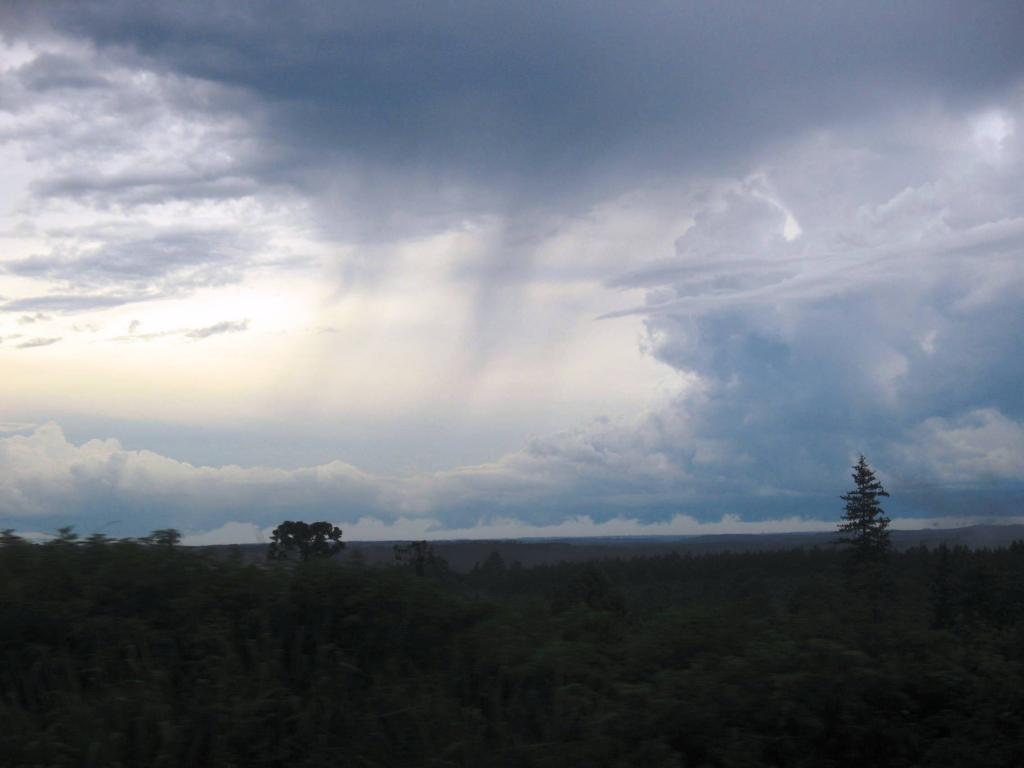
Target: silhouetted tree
<point>165,537</point>
<point>9,537</point>
<point>979,598</point>
<point>493,567</point>
<point>422,557</point>
<point>589,586</point>
<point>311,540</point>
<point>942,591</point>
<point>865,526</point>
<point>65,535</point>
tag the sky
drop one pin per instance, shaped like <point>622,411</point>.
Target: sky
<point>480,270</point>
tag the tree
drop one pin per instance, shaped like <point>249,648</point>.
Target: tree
<point>493,567</point>
<point>865,528</point>
<point>311,540</point>
<point>422,557</point>
<point>165,537</point>
<point>942,591</point>
<point>9,538</point>
<point>65,536</point>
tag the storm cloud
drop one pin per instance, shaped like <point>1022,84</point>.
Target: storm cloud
<point>811,214</point>
<point>501,107</point>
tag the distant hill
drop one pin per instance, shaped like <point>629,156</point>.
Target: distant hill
<point>462,555</point>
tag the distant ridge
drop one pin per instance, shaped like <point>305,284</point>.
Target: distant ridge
<point>463,554</point>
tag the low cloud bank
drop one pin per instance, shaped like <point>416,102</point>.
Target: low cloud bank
<point>600,481</point>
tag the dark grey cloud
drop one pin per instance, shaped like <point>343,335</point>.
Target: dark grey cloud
<point>137,188</point>
<point>39,341</point>
<point>186,258</point>
<point>75,302</point>
<point>103,269</point>
<point>563,100</point>
<point>891,325</point>
<point>416,118</point>
<point>50,71</point>
<point>111,132</point>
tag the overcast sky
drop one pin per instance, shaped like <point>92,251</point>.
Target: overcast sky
<point>499,269</point>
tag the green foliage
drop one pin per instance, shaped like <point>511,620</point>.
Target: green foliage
<point>116,653</point>
<point>310,540</point>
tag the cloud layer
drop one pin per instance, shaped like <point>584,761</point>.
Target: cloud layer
<point>603,480</point>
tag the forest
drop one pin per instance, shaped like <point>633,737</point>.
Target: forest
<point>146,653</point>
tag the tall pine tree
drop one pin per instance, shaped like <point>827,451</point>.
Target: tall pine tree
<point>865,527</point>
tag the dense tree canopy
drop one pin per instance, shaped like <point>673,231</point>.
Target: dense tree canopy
<point>310,540</point>
<point>421,557</point>
<point>116,653</point>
